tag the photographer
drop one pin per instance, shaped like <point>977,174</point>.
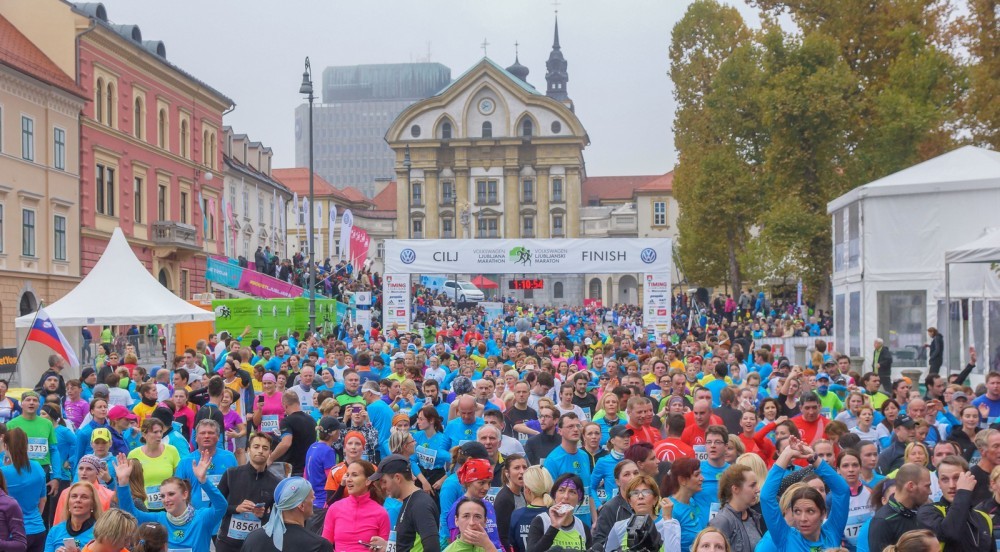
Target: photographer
<point>639,533</point>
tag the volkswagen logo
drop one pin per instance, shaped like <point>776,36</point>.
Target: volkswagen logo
<point>648,255</point>
<point>408,256</point>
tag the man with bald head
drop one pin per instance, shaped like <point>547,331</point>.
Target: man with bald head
<point>694,434</point>
<point>464,427</point>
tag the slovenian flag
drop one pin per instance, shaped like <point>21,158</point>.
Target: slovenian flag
<point>44,331</point>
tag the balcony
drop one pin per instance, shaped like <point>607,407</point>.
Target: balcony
<point>171,237</point>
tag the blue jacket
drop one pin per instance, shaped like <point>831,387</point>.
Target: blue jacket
<point>58,533</point>
<point>832,532</point>
<point>196,535</point>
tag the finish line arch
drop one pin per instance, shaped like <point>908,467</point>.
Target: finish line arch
<point>651,257</point>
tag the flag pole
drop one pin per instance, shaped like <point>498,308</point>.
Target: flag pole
<point>25,342</point>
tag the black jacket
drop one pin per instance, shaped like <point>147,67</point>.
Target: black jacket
<point>960,526</point>
<point>889,523</point>
<point>892,457</point>
<point>613,511</point>
<point>246,483</point>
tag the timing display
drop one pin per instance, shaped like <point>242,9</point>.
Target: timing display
<point>536,283</point>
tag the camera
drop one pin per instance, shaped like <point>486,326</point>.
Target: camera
<point>641,535</point>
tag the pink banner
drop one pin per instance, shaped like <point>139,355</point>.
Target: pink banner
<point>261,285</point>
<point>359,245</point>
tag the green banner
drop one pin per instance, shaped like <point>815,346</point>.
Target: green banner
<point>270,319</point>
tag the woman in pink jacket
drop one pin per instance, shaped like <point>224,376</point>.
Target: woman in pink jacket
<point>359,516</point>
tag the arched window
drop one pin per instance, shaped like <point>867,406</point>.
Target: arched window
<point>161,128</point>
<point>184,139</point>
<point>526,127</point>
<point>99,101</point>
<point>595,289</point>
<point>111,104</point>
<point>211,151</point>
<point>204,149</point>
<point>487,130</point>
<point>137,115</point>
<point>446,130</point>
<point>557,291</point>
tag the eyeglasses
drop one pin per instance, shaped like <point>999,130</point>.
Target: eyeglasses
<point>641,493</point>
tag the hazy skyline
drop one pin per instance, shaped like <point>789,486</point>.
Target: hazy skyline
<point>253,51</point>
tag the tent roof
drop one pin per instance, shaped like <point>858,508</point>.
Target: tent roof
<point>119,290</point>
<point>484,282</point>
<point>966,168</point>
<point>985,249</point>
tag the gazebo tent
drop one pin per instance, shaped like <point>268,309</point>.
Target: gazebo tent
<point>118,290</point>
<point>984,250</point>
<point>482,282</point>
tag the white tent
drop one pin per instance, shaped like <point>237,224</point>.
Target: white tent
<point>979,251</point>
<point>119,290</point>
<point>889,239</point>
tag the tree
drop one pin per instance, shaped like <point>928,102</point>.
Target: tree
<point>981,33</point>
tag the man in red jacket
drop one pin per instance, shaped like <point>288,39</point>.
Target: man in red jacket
<point>640,416</point>
<point>811,425</point>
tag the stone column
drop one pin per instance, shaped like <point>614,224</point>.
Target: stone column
<point>432,198</point>
<point>573,193</point>
<point>511,204</point>
<point>542,220</point>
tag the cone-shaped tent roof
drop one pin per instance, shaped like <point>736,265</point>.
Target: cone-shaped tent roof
<point>119,290</point>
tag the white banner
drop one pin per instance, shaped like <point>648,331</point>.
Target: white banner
<point>493,309</point>
<point>656,299</point>
<point>304,213</point>
<point>295,209</point>
<point>364,317</point>
<point>514,256</point>
<point>346,224</point>
<point>396,301</point>
<point>329,231</point>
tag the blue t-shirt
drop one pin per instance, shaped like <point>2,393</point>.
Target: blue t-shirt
<point>196,534</point>
<point>222,460</point>
<point>381,415</point>
<point>560,461</point>
<point>27,488</point>
<point>459,432</point>
<point>994,407</point>
<point>708,497</point>
<point>58,533</point>
<point>319,459</point>
<point>689,516</point>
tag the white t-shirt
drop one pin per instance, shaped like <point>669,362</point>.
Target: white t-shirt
<point>119,397</point>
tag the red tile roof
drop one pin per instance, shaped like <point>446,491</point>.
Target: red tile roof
<point>19,53</point>
<point>597,189</point>
<point>664,183</point>
<point>386,199</point>
<point>297,180</point>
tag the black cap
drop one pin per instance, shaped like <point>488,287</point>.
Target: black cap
<point>904,420</point>
<point>394,463</point>
<point>329,424</point>
<point>474,449</point>
<point>619,430</point>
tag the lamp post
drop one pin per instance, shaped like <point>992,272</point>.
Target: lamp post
<point>307,89</point>
<point>409,192</point>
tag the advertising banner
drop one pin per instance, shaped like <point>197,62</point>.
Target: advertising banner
<point>656,299</point>
<point>396,301</point>
<point>223,273</point>
<point>520,256</point>
<point>272,318</point>
<point>8,360</point>
<point>346,224</point>
<point>364,318</point>
<point>593,303</point>
<point>359,245</point>
<point>249,281</point>
<point>493,309</point>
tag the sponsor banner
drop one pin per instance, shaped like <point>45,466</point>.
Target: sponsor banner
<point>262,285</point>
<point>272,318</point>
<point>364,318</point>
<point>346,224</point>
<point>396,301</point>
<point>359,245</point>
<point>593,303</point>
<point>656,299</point>
<point>8,360</point>
<point>433,282</point>
<point>524,256</point>
<point>493,309</point>
<point>223,273</point>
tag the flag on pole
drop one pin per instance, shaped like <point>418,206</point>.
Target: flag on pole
<point>305,216</point>
<point>295,209</point>
<point>346,224</point>
<point>329,230</point>
<point>45,332</point>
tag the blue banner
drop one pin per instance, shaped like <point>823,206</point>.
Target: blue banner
<point>223,273</point>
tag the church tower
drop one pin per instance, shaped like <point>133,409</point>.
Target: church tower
<point>555,72</point>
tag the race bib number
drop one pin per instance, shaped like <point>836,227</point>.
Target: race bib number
<point>586,413</point>
<point>583,509</point>
<point>851,532</point>
<point>390,545</point>
<point>426,457</point>
<point>826,412</point>
<point>215,479</point>
<point>269,424</point>
<point>713,510</point>
<point>154,498</point>
<point>602,495</point>
<point>38,448</point>
<point>241,525</point>
<point>522,437</point>
<point>700,452</point>
<point>491,495</point>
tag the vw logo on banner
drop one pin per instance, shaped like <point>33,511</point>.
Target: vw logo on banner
<point>648,255</point>
<point>408,256</point>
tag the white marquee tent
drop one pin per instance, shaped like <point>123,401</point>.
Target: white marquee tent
<point>891,238</point>
<point>118,290</point>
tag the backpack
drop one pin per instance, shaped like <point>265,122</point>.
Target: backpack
<point>211,412</point>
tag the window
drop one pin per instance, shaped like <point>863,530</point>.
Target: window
<point>840,319</point>
<point>415,131</point>
<point>260,209</point>
<point>447,228</point>
<point>161,202</point>
<point>27,232</point>
<point>447,192</point>
<point>211,150</point>
<point>246,203</point>
<point>526,128</point>
<point>59,247</point>
<point>486,192</point>
<point>137,206</point>
<point>902,321</point>
<point>59,150</point>
<point>488,228</point>
<point>184,139</point>
<point>557,190</point>
<point>487,130</point>
<point>27,138</point>
<point>557,225</point>
<point>528,191</point>
<point>137,115</point>
<point>184,207</point>
<point>2,249</point>
<point>528,227</point>
<point>99,101</point>
<point>659,213</point>
<point>446,130</point>
<point>105,190</point>
<point>184,284</point>
<point>111,104</point>
<point>854,236</point>
<point>162,128</point>
<point>557,290</point>
<point>380,249</point>
<point>418,194</point>
<point>418,229</point>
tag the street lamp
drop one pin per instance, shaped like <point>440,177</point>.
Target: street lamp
<point>307,89</point>
<point>409,192</point>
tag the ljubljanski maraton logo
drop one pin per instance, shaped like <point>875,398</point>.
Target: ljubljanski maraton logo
<point>407,256</point>
<point>648,255</point>
<point>520,255</point>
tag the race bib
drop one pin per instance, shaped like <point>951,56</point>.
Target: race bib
<point>241,525</point>
<point>851,532</point>
<point>491,495</point>
<point>713,510</point>
<point>178,550</point>
<point>826,412</point>
<point>215,479</point>
<point>390,545</point>
<point>463,441</point>
<point>154,498</point>
<point>522,437</point>
<point>583,509</point>
<point>602,495</point>
<point>700,452</point>
<point>586,413</point>
<point>38,448</point>
<point>269,424</point>
<point>426,457</point>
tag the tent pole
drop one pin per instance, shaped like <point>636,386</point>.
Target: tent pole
<point>947,316</point>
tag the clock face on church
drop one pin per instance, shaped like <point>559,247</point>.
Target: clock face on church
<point>486,106</point>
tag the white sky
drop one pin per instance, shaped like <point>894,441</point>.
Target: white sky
<point>253,51</point>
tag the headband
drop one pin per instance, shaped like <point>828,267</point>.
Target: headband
<point>288,495</point>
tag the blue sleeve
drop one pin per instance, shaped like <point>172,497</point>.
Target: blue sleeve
<point>773,518</point>
<point>495,533</point>
<point>82,440</point>
<point>126,505</point>
<point>840,500</point>
<point>52,540</point>
<point>55,459</point>
<point>218,504</point>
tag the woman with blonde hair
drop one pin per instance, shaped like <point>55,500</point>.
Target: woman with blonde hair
<point>734,448</point>
<point>755,463</point>
<point>710,539</point>
<point>81,510</point>
<point>918,540</point>
<point>537,483</point>
<point>114,531</point>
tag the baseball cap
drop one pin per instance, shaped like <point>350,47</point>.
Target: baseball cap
<point>118,412</point>
<point>394,463</point>
<point>371,387</point>
<point>100,434</point>
<point>822,376</point>
<point>904,420</point>
<point>101,389</point>
<point>474,449</point>
<point>959,395</point>
<point>329,424</point>
<point>621,430</point>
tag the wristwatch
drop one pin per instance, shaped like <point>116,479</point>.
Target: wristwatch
<point>811,460</point>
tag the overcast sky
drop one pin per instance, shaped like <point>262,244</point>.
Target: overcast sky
<point>253,51</point>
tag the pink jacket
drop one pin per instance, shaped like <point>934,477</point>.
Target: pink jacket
<point>355,518</point>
